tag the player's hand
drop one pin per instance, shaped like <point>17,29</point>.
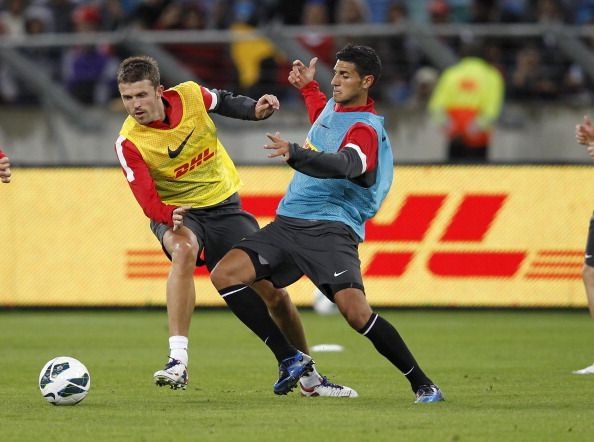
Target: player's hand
<point>266,106</point>
<point>178,216</point>
<point>300,74</point>
<point>584,133</point>
<point>280,146</point>
<point>5,172</point>
<point>590,150</point>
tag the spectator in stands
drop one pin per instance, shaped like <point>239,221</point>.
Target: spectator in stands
<point>210,62</point>
<point>378,10</point>
<point>514,11</point>
<point>548,11</point>
<point>61,12</point>
<point>89,70</point>
<point>147,13</point>
<point>38,21</point>
<point>320,44</point>
<point>353,12</point>
<point>531,79</point>
<point>12,24</point>
<point>401,57</point>
<point>257,60</point>
<point>423,83</point>
<point>113,15</point>
<point>484,11</point>
<point>439,11</point>
<point>584,12</point>
<point>460,10</point>
<point>291,12</point>
<point>466,103</point>
<point>12,19</point>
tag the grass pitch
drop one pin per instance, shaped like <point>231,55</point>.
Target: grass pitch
<point>506,377</point>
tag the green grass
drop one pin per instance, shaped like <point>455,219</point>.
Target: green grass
<point>506,376</point>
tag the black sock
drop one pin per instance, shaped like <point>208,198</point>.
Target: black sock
<point>247,305</point>
<point>388,342</point>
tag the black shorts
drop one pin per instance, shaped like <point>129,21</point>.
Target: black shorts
<point>589,258</point>
<point>217,229</point>
<point>288,248</point>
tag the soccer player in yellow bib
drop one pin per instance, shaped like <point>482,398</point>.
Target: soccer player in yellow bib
<point>186,183</point>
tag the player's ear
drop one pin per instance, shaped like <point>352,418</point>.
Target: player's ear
<point>160,90</point>
<point>368,81</point>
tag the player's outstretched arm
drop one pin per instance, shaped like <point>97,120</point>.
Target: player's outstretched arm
<point>300,74</point>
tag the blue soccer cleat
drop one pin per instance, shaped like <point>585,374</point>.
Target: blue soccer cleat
<point>290,370</point>
<point>429,393</point>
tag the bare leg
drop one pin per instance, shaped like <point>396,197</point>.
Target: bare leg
<point>588,277</point>
<point>283,312</point>
<point>182,245</point>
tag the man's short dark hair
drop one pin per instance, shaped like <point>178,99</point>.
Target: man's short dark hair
<point>139,68</point>
<point>365,59</point>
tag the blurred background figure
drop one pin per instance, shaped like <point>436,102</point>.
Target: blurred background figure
<point>532,79</point>
<point>260,65</point>
<point>465,103</point>
<point>89,70</point>
<point>320,44</point>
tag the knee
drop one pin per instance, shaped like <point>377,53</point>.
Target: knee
<point>219,276</point>
<point>355,315</point>
<point>357,320</point>
<point>588,274</point>
<point>276,299</point>
<point>184,253</point>
<point>354,307</point>
<point>225,274</point>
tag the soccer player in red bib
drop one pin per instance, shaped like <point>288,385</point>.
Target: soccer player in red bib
<point>186,183</point>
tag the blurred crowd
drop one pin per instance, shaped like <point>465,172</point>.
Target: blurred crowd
<point>533,69</point>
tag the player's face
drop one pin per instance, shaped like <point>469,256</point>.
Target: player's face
<point>348,87</point>
<point>143,101</point>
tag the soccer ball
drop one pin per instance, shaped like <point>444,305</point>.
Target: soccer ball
<point>64,381</point>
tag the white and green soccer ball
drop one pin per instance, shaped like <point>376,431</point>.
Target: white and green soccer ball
<point>64,381</point>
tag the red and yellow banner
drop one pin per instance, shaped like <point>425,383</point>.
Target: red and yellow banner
<point>445,236</point>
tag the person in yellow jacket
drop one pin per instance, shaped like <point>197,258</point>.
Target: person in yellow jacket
<point>466,102</point>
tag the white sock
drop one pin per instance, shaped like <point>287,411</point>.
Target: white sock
<point>178,348</point>
<point>311,379</point>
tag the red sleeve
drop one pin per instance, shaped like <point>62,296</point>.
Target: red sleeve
<point>363,138</point>
<point>2,154</point>
<point>141,183</point>
<point>315,100</point>
<point>208,98</point>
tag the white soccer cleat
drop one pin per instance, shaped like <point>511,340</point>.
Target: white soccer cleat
<point>328,389</point>
<point>587,370</point>
<point>175,374</point>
